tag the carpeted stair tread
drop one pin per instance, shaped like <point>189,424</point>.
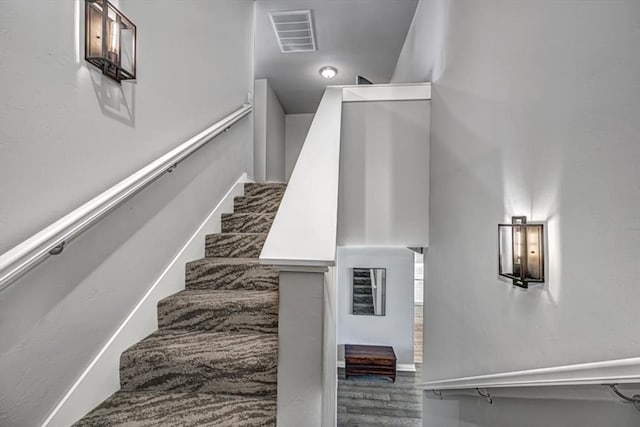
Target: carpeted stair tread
<point>234,245</point>
<point>145,409</point>
<point>206,362</point>
<point>272,189</point>
<point>256,204</point>
<point>230,273</point>
<point>220,311</point>
<point>247,222</point>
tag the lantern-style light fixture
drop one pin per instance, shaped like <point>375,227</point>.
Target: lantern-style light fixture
<point>521,251</point>
<point>110,40</point>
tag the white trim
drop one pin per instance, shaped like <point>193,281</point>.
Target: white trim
<point>298,264</point>
<point>622,371</point>
<point>100,379</point>
<point>402,367</point>
<point>368,93</point>
<point>303,233</point>
<point>25,256</point>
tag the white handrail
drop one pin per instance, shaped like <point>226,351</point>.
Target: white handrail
<point>304,230</point>
<point>621,371</point>
<point>23,257</point>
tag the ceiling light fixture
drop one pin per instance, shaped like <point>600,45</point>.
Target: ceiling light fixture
<point>328,72</point>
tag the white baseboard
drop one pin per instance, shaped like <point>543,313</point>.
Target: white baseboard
<point>403,367</point>
<point>101,378</point>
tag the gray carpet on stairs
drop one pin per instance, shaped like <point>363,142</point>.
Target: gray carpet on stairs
<point>213,362</point>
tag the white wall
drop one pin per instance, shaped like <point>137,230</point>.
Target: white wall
<point>422,51</point>
<point>300,348</point>
<point>269,150</point>
<point>296,129</point>
<point>471,411</point>
<point>67,135</point>
<point>535,108</point>
<point>384,174</point>
<point>396,327</point>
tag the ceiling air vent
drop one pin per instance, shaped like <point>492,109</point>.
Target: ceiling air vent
<point>294,30</point>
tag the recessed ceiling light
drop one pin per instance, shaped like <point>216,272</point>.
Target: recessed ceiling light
<point>328,72</point>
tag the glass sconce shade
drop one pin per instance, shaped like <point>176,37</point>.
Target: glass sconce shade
<point>110,40</point>
<point>521,251</point>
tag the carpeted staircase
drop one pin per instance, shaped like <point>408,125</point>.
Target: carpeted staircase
<point>213,362</point>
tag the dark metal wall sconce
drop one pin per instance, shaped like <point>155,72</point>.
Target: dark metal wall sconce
<point>521,251</point>
<point>110,40</point>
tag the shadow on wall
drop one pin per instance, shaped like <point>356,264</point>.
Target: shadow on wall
<point>116,100</point>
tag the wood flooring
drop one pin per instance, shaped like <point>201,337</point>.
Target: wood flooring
<point>367,402</point>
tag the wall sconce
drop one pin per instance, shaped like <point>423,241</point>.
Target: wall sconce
<point>521,251</point>
<point>110,40</point>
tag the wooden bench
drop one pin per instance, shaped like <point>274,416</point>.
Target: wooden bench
<point>369,360</point>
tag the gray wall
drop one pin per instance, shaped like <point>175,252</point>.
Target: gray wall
<point>470,411</point>
<point>68,134</point>
<point>296,129</point>
<point>384,174</point>
<point>535,108</point>
<point>269,135</point>
<point>396,327</point>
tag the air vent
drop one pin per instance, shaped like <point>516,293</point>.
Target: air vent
<point>294,30</point>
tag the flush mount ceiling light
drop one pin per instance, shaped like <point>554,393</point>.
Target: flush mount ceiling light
<point>328,72</point>
<point>521,251</point>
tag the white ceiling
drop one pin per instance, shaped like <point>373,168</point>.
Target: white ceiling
<point>356,36</point>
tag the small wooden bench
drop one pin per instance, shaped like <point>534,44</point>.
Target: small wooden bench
<point>369,360</point>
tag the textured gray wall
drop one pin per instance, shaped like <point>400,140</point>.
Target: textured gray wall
<point>535,108</point>
<point>384,174</point>
<point>296,129</point>
<point>66,137</point>
<point>269,135</point>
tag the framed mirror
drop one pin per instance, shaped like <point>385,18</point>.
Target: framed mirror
<point>369,290</point>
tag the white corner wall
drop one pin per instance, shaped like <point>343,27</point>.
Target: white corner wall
<point>269,134</point>
<point>535,108</point>
<point>384,174</point>
<point>296,129</point>
<point>68,133</point>
<point>421,51</point>
<point>396,327</point>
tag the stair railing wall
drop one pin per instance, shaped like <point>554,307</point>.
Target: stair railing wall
<point>52,240</point>
<point>302,245</point>
<point>590,381</point>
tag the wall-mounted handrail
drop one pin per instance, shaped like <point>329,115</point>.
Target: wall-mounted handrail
<point>51,240</point>
<point>621,371</point>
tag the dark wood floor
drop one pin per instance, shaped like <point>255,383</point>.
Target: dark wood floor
<point>417,333</point>
<point>380,402</point>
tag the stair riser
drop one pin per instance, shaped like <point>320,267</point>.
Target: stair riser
<point>264,190</point>
<point>201,275</point>
<point>229,364</point>
<point>247,223</point>
<point>256,204</point>
<point>249,317</point>
<point>181,409</point>
<point>234,245</point>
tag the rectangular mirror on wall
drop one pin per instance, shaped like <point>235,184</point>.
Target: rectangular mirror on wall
<point>369,291</point>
